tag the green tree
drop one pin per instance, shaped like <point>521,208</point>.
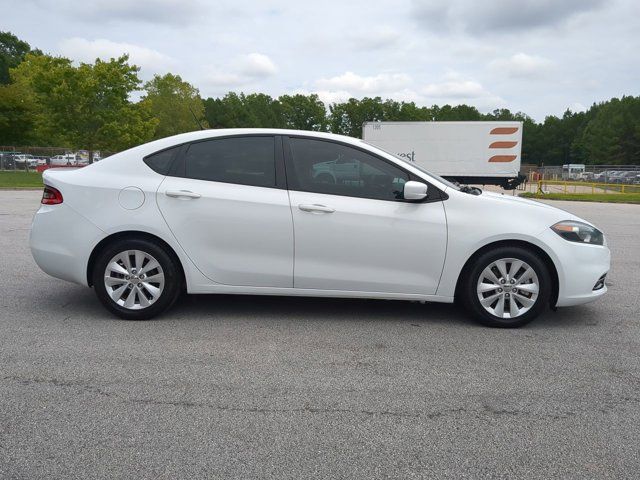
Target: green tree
<point>227,112</point>
<point>448,113</point>
<point>83,106</point>
<point>303,112</point>
<point>263,111</point>
<point>612,136</point>
<point>256,110</point>
<point>12,52</point>
<point>176,105</point>
<point>347,118</point>
<point>17,116</point>
<point>36,78</point>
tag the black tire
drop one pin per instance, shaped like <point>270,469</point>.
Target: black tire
<point>173,281</point>
<point>469,288</point>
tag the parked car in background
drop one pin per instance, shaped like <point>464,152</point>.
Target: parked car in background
<point>599,176</point>
<point>630,177</point>
<point>21,159</point>
<point>68,160</point>
<point>246,211</point>
<point>616,176</point>
<point>604,176</point>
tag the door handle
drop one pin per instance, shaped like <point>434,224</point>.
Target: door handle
<point>315,208</point>
<point>182,193</point>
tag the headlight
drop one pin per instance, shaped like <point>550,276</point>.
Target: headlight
<point>578,232</point>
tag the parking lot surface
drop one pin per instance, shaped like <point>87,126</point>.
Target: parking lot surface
<point>263,387</point>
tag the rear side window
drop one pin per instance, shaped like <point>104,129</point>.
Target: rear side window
<point>240,160</point>
<point>161,162</point>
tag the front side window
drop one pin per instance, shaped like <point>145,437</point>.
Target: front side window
<point>327,167</point>
<point>240,160</point>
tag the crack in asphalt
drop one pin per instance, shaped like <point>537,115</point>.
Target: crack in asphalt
<point>485,410</point>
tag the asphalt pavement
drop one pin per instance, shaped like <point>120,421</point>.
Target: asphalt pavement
<point>264,387</point>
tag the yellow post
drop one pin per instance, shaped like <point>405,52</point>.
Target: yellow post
<point>565,187</point>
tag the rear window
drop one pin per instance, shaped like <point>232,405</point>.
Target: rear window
<point>161,162</point>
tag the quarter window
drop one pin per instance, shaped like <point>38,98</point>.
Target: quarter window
<point>327,167</point>
<point>241,160</point>
<point>161,162</point>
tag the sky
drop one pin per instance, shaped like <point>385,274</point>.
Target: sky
<point>535,56</point>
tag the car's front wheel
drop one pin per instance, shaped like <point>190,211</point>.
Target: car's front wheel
<point>507,287</point>
<point>136,279</point>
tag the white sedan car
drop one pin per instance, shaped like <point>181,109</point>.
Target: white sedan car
<point>244,212</point>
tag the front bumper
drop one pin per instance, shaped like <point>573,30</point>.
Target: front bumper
<point>580,267</point>
<point>61,241</point>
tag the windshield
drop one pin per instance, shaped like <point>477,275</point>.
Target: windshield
<point>415,165</point>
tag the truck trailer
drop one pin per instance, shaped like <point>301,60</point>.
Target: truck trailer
<point>480,153</point>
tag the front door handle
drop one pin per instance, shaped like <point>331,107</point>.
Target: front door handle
<point>182,193</point>
<point>315,208</point>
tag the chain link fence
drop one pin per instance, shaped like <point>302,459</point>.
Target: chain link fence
<point>610,174</point>
<point>40,158</point>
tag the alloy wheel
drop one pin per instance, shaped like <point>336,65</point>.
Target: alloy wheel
<point>134,279</point>
<point>508,288</point>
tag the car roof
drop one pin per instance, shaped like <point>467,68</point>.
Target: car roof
<point>222,132</point>
<point>122,159</point>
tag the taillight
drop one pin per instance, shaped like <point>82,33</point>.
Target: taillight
<point>51,196</point>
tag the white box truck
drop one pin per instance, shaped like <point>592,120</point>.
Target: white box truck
<point>481,153</point>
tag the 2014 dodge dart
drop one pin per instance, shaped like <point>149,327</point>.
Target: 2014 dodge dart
<point>283,212</point>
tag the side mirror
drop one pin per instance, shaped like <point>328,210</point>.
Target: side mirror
<point>414,190</point>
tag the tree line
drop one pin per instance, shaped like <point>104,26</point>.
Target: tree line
<point>47,100</point>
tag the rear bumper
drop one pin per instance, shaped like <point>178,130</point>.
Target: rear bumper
<point>61,241</point>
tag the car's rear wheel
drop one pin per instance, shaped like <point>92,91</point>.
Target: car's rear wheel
<point>507,287</point>
<point>136,279</point>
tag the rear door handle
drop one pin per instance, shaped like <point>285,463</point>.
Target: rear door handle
<point>182,193</point>
<point>315,208</point>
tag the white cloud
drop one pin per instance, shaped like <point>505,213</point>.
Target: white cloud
<point>376,38</point>
<point>329,97</point>
<point>257,65</point>
<point>241,71</point>
<point>493,16</point>
<point>168,12</point>
<point>226,80</point>
<point>378,84</point>
<point>454,89</point>
<point>83,50</point>
<point>521,65</point>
